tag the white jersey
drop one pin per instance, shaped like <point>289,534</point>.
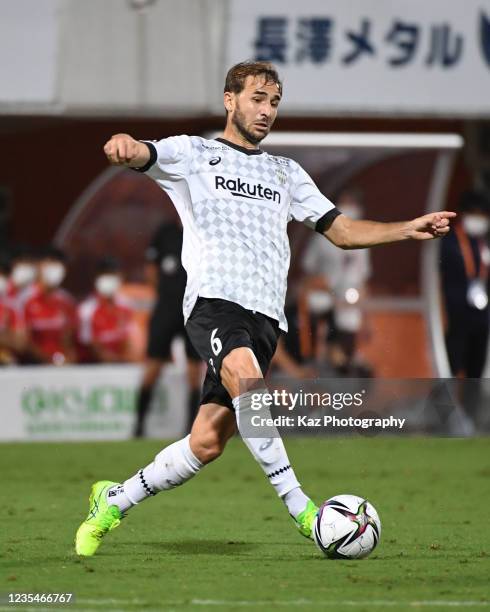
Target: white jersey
<point>235,204</point>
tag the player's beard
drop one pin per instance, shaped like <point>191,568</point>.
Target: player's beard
<point>238,121</point>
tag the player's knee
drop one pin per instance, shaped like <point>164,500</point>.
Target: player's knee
<point>238,365</point>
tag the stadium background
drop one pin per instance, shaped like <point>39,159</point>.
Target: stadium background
<point>75,73</point>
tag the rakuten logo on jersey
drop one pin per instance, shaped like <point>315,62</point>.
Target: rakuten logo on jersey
<point>251,191</point>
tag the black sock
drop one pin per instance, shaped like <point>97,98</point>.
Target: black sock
<point>144,399</point>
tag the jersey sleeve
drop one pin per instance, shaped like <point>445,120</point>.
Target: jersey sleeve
<point>309,205</point>
<point>169,158</point>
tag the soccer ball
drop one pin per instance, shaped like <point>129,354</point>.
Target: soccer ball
<point>346,527</point>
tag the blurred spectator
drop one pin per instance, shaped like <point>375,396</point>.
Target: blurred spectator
<point>10,332</point>
<point>166,274</point>
<point>5,269</point>
<point>334,288</point>
<point>22,278</point>
<point>103,320</point>
<point>50,314</point>
<point>464,266</point>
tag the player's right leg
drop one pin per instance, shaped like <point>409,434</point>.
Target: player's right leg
<point>172,467</point>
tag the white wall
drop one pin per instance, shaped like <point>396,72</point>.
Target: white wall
<point>93,57</point>
<point>28,53</point>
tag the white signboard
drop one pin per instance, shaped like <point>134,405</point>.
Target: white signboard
<point>86,403</point>
<point>370,56</point>
<point>29,41</point>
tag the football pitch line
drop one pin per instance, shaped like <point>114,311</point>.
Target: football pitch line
<point>337,603</point>
<point>119,604</point>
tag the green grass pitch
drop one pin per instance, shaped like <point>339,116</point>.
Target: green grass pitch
<point>225,542</point>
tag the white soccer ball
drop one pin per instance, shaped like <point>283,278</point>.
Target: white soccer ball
<point>347,527</point>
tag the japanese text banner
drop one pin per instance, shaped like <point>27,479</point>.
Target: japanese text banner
<point>370,56</point>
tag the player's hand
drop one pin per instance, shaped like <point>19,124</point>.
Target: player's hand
<point>123,150</point>
<point>433,225</point>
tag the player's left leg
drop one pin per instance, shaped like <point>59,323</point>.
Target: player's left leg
<point>239,366</point>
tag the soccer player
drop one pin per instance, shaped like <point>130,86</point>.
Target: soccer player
<point>235,201</point>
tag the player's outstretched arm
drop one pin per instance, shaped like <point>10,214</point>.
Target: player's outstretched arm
<point>348,233</point>
<point>123,150</point>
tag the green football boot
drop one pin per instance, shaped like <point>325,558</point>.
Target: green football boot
<point>305,520</point>
<point>101,519</point>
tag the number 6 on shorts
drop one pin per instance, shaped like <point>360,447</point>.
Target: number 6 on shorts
<point>216,345</point>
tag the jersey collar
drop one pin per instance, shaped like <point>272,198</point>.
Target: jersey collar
<point>239,148</point>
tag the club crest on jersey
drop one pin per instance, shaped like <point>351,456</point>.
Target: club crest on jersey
<point>281,175</point>
<point>244,189</point>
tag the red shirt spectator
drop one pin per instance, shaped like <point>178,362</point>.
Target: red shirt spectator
<point>22,286</point>
<point>9,321</point>
<point>104,328</point>
<point>10,340</point>
<point>50,320</point>
<point>50,314</point>
<point>10,333</point>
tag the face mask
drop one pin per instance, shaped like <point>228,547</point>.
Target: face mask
<point>475,225</point>
<point>3,285</point>
<point>107,284</point>
<point>23,274</point>
<point>350,210</point>
<point>53,274</point>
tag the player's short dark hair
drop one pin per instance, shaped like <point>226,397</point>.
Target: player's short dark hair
<point>474,200</point>
<point>235,79</point>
